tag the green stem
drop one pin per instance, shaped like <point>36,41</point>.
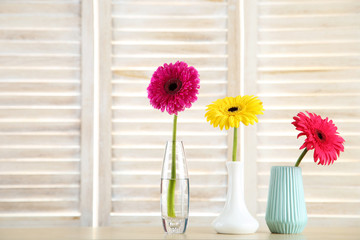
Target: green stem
<point>173,155</point>
<point>301,157</point>
<point>172,182</point>
<point>234,145</point>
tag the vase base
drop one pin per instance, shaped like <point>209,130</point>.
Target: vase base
<point>174,225</point>
<point>235,225</point>
<point>286,228</point>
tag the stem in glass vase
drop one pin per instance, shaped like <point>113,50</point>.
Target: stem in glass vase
<point>234,145</point>
<point>172,182</point>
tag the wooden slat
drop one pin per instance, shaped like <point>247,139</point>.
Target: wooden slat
<point>39,152</point>
<point>316,87</point>
<point>129,87</point>
<point>308,49</point>
<point>290,112</point>
<point>17,7</point>
<point>40,74</point>
<point>25,86</point>
<point>40,206</point>
<point>169,35</point>
<point>199,61</point>
<point>170,23</point>
<point>140,74</point>
<point>14,99</point>
<point>219,179</point>
<point>152,114</point>
<point>312,21</point>
<point>138,101</point>
<point>40,34</point>
<point>39,61</point>
<point>154,165</point>
<point>39,48</point>
<point>317,181</point>
<point>38,193</point>
<point>323,192</point>
<point>169,49</point>
<point>309,167</point>
<point>330,208</point>
<point>293,152</point>
<point>348,125</point>
<point>292,8</point>
<point>49,113</point>
<point>196,192</point>
<point>208,140</point>
<point>50,220</point>
<point>310,75</point>
<point>138,207</point>
<point>309,62</point>
<point>39,166</point>
<point>38,179</point>
<point>38,126</point>
<point>318,35</point>
<point>127,153</point>
<point>169,9</point>
<point>352,139</point>
<point>38,21</point>
<point>150,126</point>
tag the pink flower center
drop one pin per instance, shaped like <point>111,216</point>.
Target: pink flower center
<point>320,135</point>
<point>173,86</point>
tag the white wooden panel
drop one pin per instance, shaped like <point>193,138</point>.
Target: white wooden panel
<point>308,59</point>
<point>42,89</point>
<point>147,34</point>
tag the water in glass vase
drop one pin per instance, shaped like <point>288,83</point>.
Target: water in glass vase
<point>175,215</point>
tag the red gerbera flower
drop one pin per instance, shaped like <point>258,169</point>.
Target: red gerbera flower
<point>174,87</point>
<point>321,135</point>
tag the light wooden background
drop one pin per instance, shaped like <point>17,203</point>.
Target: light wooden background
<point>46,102</point>
<point>295,55</point>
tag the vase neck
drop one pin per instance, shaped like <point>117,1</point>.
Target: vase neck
<point>235,181</point>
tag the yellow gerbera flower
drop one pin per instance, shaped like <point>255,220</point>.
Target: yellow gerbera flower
<point>230,111</point>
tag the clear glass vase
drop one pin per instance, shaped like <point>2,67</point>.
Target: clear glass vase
<point>174,189</point>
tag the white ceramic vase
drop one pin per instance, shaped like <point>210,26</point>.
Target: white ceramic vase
<point>235,217</point>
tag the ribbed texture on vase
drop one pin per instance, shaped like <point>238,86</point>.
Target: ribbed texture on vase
<point>286,208</point>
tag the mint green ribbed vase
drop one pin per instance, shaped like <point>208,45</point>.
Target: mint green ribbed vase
<point>286,209</point>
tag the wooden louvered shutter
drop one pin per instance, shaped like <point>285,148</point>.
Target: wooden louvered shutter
<point>46,113</point>
<point>308,59</point>
<point>139,36</point>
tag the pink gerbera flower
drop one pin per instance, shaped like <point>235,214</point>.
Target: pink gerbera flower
<point>321,135</point>
<point>174,87</point>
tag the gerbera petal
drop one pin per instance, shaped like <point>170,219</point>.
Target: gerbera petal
<point>233,110</point>
<point>176,98</point>
<point>321,135</point>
